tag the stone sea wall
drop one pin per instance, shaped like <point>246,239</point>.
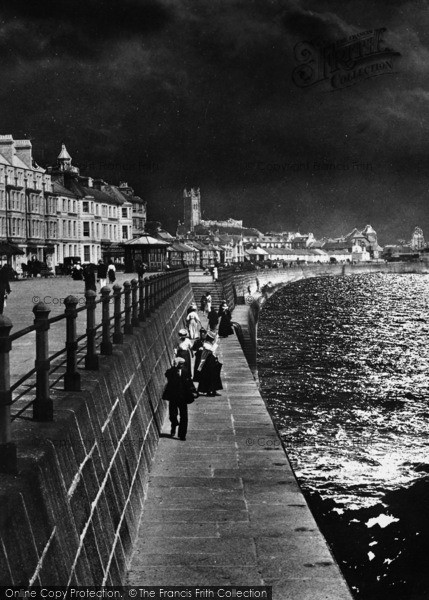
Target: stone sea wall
<point>71,514</point>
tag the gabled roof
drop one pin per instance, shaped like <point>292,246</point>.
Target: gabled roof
<point>354,234</point>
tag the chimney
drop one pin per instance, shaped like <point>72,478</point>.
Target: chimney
<point>7,148</point>
<point>23,151</point>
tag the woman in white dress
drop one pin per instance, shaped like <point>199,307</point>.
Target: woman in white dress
<point>193,322</point>
<point>208,302</point>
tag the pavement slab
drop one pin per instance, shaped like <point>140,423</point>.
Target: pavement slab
<point>224,506</point>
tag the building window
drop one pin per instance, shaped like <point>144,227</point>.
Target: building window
<point>125,213</point>
<point>124,232</point>
<point>85,207</point>
<point>86,228</point>
<point>86,254</point>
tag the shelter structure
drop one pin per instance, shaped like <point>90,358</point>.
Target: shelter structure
<point>146,249</point>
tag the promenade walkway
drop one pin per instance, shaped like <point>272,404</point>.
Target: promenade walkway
<point>52,291</point>
<point>224,507</point>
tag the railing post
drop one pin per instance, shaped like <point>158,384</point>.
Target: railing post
<point>118,336</point>
<point>149,301</point>
<point>134,304</point>
<point>91,358</point>
<point>141,314</point>
<point>147,296</point>
<point>43,408</point>
<point>155,287</point>
<point>128,328</point>
<point>71,376</point>
<point>8,460</point>
<point>106,346</point>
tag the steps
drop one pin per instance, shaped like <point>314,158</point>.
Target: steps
<point>214,287</point>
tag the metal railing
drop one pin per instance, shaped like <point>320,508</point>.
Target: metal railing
<point>131,306</point>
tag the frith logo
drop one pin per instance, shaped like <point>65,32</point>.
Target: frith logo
<point>344,62</point>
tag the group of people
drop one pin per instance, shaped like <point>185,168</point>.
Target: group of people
<point>195,362</point>
<point>91,273</point>
<point>219,320</point>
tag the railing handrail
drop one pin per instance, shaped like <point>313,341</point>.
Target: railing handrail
<point>141,297</point>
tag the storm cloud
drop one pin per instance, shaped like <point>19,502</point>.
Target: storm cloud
<point>168,93</point>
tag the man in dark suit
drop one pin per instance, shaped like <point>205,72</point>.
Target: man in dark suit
<point>179,391</point>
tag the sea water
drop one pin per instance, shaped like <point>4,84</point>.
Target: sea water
<point>343,364</point>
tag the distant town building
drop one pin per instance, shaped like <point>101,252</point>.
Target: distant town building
<point>139,212</point>
<point>225,223</point>
<point>28,206</point>
<point>360,245</point>
<point>417,239</point>
<point>191,209</point>
<point>92,224</point>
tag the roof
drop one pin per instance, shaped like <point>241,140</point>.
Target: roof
<point>19,164</point>
<point>8,249</point>
<point>164,235</point>
<point>115,193</point>
<point>81,191</point>
<point>64,154</point>
<point>336,245</point>
<point>179,247</point>
<point>59,189</point>
<point>101,196</point>
<point>256,251</point>
<point>146,240</point>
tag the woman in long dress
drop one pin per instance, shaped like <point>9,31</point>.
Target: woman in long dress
<point>208,302</point>
<point>225,327</point>
<point>193,322</point>
<point>207,374</point>
<point>184,350</point>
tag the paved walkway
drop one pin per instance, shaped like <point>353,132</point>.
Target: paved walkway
<point>224,508</point>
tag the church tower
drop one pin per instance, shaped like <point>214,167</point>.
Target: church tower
<point>191,208</point>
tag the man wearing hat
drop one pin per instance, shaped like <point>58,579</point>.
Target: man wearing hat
<point>184,350</point>
<point>179,391</point>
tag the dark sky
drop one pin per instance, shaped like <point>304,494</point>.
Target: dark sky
<point>168,93</point>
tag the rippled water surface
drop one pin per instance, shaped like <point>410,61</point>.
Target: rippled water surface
<point>343,364</point>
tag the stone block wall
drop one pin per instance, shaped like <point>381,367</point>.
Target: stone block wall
<point>71,514</point>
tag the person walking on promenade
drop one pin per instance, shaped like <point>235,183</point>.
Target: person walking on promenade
<point>77,272</point>
<point>102,273</point>
<point>4,287</point>
<point>111,272</point>
<point>208,372</point>
<point>203,303</point>
<point>208,302</point>
<point>215,273</point>
<point>225,327</point>
<point>141,269</point>
<point>197,348</point>
<point>179,391</point>
<point>213,318</point>
<point>184,350</point>
<point>89,278</point>
<point>193,322</point>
